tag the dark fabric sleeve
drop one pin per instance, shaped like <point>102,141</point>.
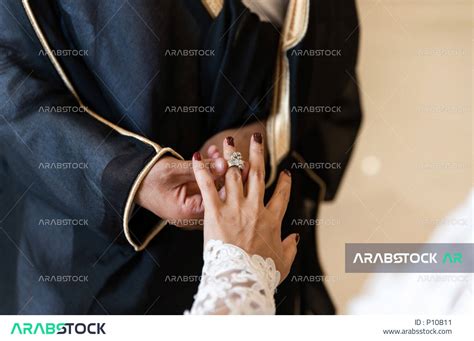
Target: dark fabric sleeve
<point>73,161</point>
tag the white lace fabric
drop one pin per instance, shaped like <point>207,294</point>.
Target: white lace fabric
<point>234,282</point>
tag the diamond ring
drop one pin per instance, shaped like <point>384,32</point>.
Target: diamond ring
<point>236,160</point>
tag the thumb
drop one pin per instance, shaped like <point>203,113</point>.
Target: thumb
<point>289,252</point>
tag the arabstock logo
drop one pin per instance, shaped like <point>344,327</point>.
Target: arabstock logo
<point>57,328</point>
<point>405,258</point>
<point>410,257</point>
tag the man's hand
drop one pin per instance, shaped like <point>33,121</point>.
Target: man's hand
<point>170,190</point>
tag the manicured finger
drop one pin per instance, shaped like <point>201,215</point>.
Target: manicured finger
<point>183,170</point>
<point>256,175</point>
<point>234,188</point>
<point>205,182</point>
<point>290,248</point>
<point>279,200</point>
<point>228,147</point>
<point>193,188</point>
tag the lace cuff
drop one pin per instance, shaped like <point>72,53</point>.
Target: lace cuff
<point>234,282</point>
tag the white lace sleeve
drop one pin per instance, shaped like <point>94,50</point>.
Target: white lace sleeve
<point>234,282</point>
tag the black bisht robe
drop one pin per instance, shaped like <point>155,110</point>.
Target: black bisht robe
<point>66,175</point>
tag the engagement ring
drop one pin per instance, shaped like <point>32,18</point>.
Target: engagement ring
<point>236,160</point>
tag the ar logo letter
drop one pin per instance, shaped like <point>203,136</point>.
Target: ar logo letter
<point>452,258</point>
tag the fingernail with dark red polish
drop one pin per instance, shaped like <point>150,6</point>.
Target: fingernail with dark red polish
<point>287,172</point>
<point>257,138</point>
<point>230,141</point>
<point>297,238</point>
<point>197,156</point>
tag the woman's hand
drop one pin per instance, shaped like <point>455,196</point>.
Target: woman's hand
<point>242,218</point>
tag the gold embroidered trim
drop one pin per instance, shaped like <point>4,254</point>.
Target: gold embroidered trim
<point>130,201</point>
<point>214,7</point>
<point>158,149</point>
<point>71,88</point>
<point>279,122</point>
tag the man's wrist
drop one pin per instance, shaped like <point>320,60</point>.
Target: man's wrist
<point>149,185</point>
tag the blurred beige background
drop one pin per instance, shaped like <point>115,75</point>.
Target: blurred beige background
<point>412,163</point>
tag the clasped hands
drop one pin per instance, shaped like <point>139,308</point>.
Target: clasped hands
<point>183,191</point>
<point>170,189</point>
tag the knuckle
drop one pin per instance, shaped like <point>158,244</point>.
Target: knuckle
<point>253,211</point>
<point>258,173</point>
<point>276,224</point>
<point>284,193</point>
<point>234,175</point>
